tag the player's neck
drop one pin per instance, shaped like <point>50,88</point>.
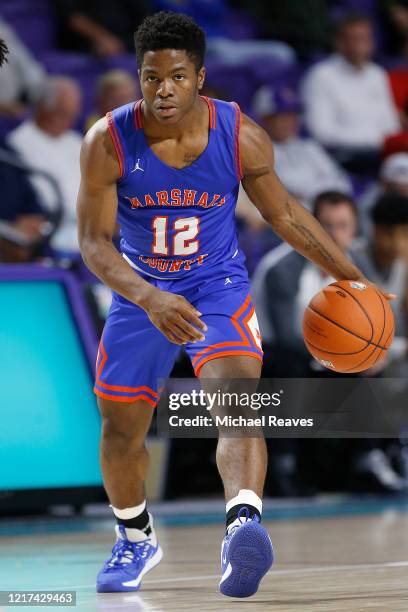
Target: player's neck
<point>190,122</point>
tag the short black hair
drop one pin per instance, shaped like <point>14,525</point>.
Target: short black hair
<point>390,210</point>
<point>332,198</point>
<point>167,30</point>
<point>3,52</point>
<point>351,18</point>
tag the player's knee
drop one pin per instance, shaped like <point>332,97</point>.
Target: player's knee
<point>234,368</point>
<point>121,436</point>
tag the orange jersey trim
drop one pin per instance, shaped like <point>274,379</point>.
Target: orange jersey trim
<point>237,151</point>
<point>124,398</point>
<point>135,122</point>
<point>137,115</point>
<point>198,366</point>
<point>212,111</point>
<point>116,142</point>
<point>234,320</point>
<point>117,387</point>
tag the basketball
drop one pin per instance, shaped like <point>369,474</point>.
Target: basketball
<point>348,326</point>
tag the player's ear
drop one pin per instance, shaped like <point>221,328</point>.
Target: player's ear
<point>201,78</point>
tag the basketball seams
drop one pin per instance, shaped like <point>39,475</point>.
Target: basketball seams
<point>393,327</point>
<point>389,335</point>
<point>357,365</point>
<point>376,346</point>
<point>322,350</point>
<point>384,318</point>
<point>369,342</point>
<point>352,369</point>
<point>384,301</point>
<point>361,306</point>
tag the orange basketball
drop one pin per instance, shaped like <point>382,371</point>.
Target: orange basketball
<point>348,326</point>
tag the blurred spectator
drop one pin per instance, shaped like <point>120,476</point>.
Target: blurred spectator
<point>302,164</point>
<point>348,102</point>
<point>113,89</point>
<point>399,84</point>
<point>212,15</point>
<point>48,143</point>
<point>303,24</point>
<point>101,27</point>
<point>384,260</point>
<point>394,17</point>
<point>394,174</point>
<point>227,51</point>
<point>23,222</point>
<point>219,21</point>
<point>393,180</point>
<point>21,77</point>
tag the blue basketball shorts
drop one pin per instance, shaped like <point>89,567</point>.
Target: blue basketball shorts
<point>133,354</point>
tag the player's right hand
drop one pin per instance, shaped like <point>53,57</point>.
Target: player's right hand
<point>174,316</point>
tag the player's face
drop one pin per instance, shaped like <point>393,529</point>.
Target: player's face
<point>170,83</point>
<point>340,223</point>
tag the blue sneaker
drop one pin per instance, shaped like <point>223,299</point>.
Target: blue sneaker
<point>246,556</point>
<point>129,562</point>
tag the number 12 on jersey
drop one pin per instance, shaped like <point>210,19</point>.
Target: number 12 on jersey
<point>183,243</point>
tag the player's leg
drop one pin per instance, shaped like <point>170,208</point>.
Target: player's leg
<point>241,460</point>
<point>127,370</point>
<point>123,454</point>
<point>247,552</point>
<point>231,353</point>
<point>124,464</point>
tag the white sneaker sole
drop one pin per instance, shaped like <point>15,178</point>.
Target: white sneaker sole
<point>152,562</point>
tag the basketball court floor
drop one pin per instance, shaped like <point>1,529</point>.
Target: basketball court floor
<point>338,555</point>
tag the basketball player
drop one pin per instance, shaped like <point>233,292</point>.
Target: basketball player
<point>168,168</point>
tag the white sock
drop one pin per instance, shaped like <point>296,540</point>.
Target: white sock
<point>128,513</point>
<point>245,496</point>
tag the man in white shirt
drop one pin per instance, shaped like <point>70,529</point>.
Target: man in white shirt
<point>347,98</point>
<point>48,143</point>
<point>302,164</point>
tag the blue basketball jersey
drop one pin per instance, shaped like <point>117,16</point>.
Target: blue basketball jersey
<point>178,222</point>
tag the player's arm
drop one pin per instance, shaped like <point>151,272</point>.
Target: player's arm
<point>290,220</point>
<point>97,209</point>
